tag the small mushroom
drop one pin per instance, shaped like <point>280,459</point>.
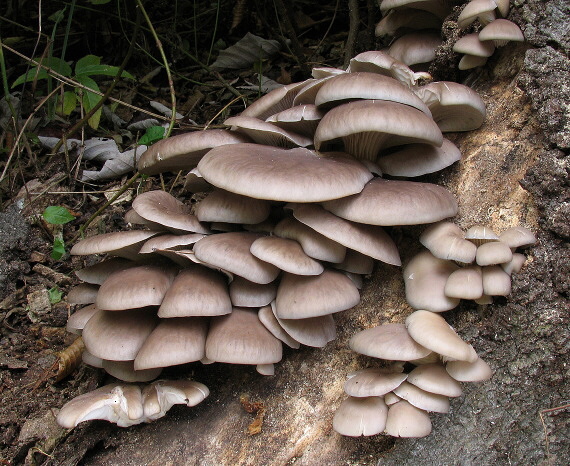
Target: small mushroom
<point>360,416</point>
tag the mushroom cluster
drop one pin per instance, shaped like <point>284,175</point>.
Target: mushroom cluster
<point>473,265</point>
<point>416,27</point>
<point>287,213</point>
<point>429,361</point>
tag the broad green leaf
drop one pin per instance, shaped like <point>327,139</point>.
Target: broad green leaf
<point>104,70</point>
<point>152,135</point>
<point>55,295</point>
<point>58,248</point>
<point>67,104</point>
<point>53,63</point>
<point>90,100</point>
<point>57,215</point>
<point>87,60</point>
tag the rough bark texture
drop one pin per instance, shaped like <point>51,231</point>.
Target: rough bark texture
<point>514,171</point>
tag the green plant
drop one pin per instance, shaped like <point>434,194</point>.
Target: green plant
<point>82,73</point>
<point>55,295</point>
<point>57,215</point>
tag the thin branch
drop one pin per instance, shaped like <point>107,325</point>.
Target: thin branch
<point>352,31</point>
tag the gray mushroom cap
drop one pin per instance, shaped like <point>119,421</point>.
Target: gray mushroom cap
<point>360,416</point>
<point>446,240</point>
<point>169,242</point>
<point>463,371</point>
<point>389,341</point>
<point>84,293</point>
<point>394,202</point>
<point>223,206</point>
<point>125,371</point>
<point>161,395</point>
<point>517,237</point>
<point>484,10</point>
<point>240,338</point>
<point>273,102</point>
<point>294,175</point>
<point>263,132</point>
<point>98,273</point>
<point>124,244</point>
<point>244,293</point>
<point>416,48</point>
<point>184,151</point>
<point>79,318</point>
<point>465,283</point>
<point>300,119</point>
<point>496,282</point>
<point>471,44</point>
<point>500,32</point>
<point>492,253</point>
<point>373,382</point>
<point>368,126</point>
<point>286,254</point>
<point>422,399</point>
<point>405,420</point>
<point>436,7</point>
<point>271,323</point>
<point>434,378</point>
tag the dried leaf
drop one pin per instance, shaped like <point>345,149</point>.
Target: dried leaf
<point>122,163</point>
<point>245,52</point>
<point>264,86</point>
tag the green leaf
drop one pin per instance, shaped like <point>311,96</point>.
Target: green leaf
<point>152,135</point>
<point>87,60</point>
<point>90,100</point>
<point>67,104</point>
<point>58,248</point>
<point>104,70</point>
<point>57,215</point>
<point>56,64</point>
<point>55,295</point>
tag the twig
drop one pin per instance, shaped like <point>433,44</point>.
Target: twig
<point>352,31</point>
<point>546,441</point>
<point>126,186</point>
<point>166,66</point>
<point>283,17</point>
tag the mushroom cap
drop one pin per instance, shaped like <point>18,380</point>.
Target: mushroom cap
<point>501,31</point>
<point>79,318</point>
<point>425,277</point>
<point>262,132</point>
<point>518,237</point>
<point>482,9</point>
<point>161,395</point>
<point>196,291</point>
<point>465,283</point>
<point>405,420</point>
<point>244,293</point>
<point>454,107</point>
<point>195,182</point>
<point>434,378</point>
<point>98,273</point>
<point>118,336</point>
<point>121,404</point>
<point>231,252</point>
<point>369,240</point>
<point>515,264</point>
<point>125,371</point>
<point>184,151</point>
<point>468,62</point>
<point>369,86</point>
<point>415,48</point>
<point>223,206</point>
<point>419,159</point>
<point>271,323</point>
<point>393,202</point>
<point>463,371</point>
<point>274,102</point>
<point>120,243</point>
<point>294,175</point>
<point>240,338</point>
<point>373,382</point>
<point>356,263</point>
<point>172,342</point>
<point>375,61</point>
<point>131,217</point>
<point>479,234</point>
<point>446,240</point>
<point>313,331</point>
<point>313,243</point>
<point>433,332</point>
<point>437,7</point>
<point>389,341</point>
<point>492,253</point>
<point>161,207</point>
<point>308,93</point>
<point>300,119</point>
<point>319,72</point>
<point>84,293</point>
<point>406,18</point>
<point>368,126</point>
<point>360,416</point>
<point>286,254</point>
<point>135,287</point>
<point>301,297</point>
<point>421,399</point>
<point>496,282</point>
<point>169,242</point>
<point>471,44</point>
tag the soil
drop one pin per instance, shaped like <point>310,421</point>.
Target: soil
<point>515,170</point>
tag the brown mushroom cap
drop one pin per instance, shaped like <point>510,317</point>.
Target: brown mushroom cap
<point>223,206</point>
<point>370,240</point>
<point>294,175</point>
<point>172,342</point>
<point>135,287</point>
<point>161,207</point>
<point>118,336</point>
<point>184,151</point>
<point>425,277</point>
<point>419,159</point>
<point>389,341</point>
<point>405,420</point>
<point>231,252</point>
<point>394,202</point>
<point>121,243</point>
<point>360,416</point>
<point>301,297</point>
<point>433,332</point>
<point>370,86</point>
<point>240,338</point>
<point>356,263</point>
<point>286,254</point>
<point>368,126</point>
<point>373,382</point>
